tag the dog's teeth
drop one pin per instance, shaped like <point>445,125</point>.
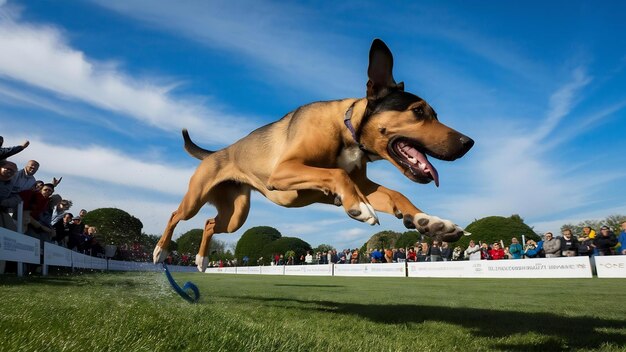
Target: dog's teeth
<point>422,166</point>
<point>412,160</point>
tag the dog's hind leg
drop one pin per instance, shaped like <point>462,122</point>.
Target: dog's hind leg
<point>232,201</point>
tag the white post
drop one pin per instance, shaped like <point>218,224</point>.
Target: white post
<point>20,216</point>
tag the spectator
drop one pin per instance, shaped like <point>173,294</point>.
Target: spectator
<point>585,246</point>
<point>86,239</point>
<point>411,255</point>
<point>389,255</point>
<point>354,259</point>
<point>400,256</point>
<point>323,258</point>
<point>333,256</point>
<point>308,259</point>
<point>569,244</point>
<point>605,242</point>
<point>496,252</point>
<point>457,253</point>
<point>446,252</point>
<point>622,239</point>
<point>422,251</point>
<point>515,249</point>
<point>473,251</point>
<point>60,210</point>
<point>376,256</point>
<point>77,230</point>
<point>7,171</point>
<point>435,252</point>
<point>551,246</point>
<point>533,249</point>
<point>25,178</point>
<point>7,152</point>
<point>588,232</point>
<point>35,203</point>
<point>63,230</point>
<point>484,251</point>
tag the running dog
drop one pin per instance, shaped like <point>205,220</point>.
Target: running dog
<point>319,154</point>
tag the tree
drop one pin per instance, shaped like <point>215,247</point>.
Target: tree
<point>612,221</point>
<point>189,242</point>
<point>149,241</point>
<point>253,241</point>
<point>383,239</point>
<point>283,245</point>
<point>495,228</point>
<point>408,239</point>
<point>115,226</point>
<point>323,248</point>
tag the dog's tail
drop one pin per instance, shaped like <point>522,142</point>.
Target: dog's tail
<point>193,149</point>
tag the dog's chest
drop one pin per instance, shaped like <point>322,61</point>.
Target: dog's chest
<point>349,158</point>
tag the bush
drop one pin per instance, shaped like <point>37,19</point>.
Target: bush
<point>253,241</point>
<point>408,239</point>
<point>189,242</point>
<point>115,226</point>
<point>495,228</point>
<point>284,245</point>
<point>383,239</point>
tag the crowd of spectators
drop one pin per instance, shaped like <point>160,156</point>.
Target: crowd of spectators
<point>566,245</point>
<point>45,214</point>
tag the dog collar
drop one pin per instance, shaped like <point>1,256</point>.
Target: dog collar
<point>347,120</point>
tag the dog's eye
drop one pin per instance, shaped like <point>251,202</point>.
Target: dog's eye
<point>419,112</point>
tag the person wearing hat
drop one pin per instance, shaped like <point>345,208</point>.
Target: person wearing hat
<point>605,241</point>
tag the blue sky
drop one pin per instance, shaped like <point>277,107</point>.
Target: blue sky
<point>103,88</point>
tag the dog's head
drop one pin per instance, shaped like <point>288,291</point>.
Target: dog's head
<point>403,128</point>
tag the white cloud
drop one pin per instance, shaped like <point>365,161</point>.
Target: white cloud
<point>270,36</point>
<point>40,56</point>
<point>105,165</point>
<point>514,173</point>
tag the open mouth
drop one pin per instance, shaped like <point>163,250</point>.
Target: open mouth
<point>408,154</point>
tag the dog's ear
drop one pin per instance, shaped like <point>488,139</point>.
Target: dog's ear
<point>380,72</point>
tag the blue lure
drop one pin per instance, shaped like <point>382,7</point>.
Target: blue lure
<point>183,292</point>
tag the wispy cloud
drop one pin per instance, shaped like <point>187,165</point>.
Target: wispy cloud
<point>40,56</point>
<point>513,174</point>
<point>275,38</point>
<point>105,165</point>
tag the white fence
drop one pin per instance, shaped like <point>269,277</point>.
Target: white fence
<point>24,249</point>
<point>17,247</point>
<point>564,267</point>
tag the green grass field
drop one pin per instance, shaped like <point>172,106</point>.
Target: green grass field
<point>141,312</point>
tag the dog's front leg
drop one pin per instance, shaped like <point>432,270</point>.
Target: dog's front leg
<point>393,202</point>
<point>293,176</point>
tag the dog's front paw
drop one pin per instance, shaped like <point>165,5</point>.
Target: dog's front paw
<point>435,227</point>
<point>159,255</point>
<point>364,213</point>
<point>201,263</point>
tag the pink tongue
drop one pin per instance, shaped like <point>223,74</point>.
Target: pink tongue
<point>421,158</point>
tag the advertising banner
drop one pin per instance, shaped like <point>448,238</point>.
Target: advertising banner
<point>565,267</point>
<point>372,270</point>
<point>56,255</point>
<point>273,270</point>
<point>309,270</point>
<point>17,247</point>
<point>249,270</point>
<point>613,266</point>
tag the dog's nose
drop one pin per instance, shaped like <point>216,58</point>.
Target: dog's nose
<point>467,142</point>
